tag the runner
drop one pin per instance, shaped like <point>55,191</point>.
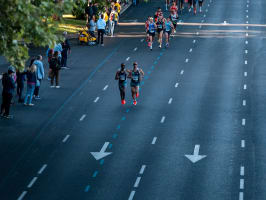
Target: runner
<point>121,76</point>
<point>147,28</point>
<point>174,19</point>
<point>168,29</point>
<point>167,3</point>
<point>200,5</point>
<point>136,76</point>
<point>152,27</point>
<point>160,28</point>
<point>192,3</point>
<point>174,7</point>
<point>157,14</point>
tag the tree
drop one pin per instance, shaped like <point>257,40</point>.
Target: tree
<point>28,22</point>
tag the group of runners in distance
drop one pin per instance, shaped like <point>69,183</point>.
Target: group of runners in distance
<point>163,26</point>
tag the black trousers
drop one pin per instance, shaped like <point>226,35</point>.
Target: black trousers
<point>100,35</point>
<point>6,103</point>
<point>37,89</point>
<point>20,88</point>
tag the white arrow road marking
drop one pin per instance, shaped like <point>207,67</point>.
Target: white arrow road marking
<point>196,157</point>
<point>23,194</point>
<point>102,153</point>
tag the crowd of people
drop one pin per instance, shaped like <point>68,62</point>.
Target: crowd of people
<point>33,76</point>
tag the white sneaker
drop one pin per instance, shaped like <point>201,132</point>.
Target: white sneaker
<point>31,104</point>
<point>52,86</point>
<point>57,86</point>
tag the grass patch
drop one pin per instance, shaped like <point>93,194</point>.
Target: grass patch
<point>71,25</point>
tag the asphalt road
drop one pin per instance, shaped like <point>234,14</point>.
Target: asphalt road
<point>197,133</point>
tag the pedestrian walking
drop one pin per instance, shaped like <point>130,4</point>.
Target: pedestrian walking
<point>39,75</point>
<point>9,86</point>
<point>55,67</point>
<point>101,29</point>
<point>31,84</point>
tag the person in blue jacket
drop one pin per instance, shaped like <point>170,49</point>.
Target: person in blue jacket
<point>39,75</point>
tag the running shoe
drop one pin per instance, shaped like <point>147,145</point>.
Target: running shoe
<point>151,47</point>
<point>8,116</point>
<point>137,94</point>
<point>52,86</point>
<point>31,104</point>
<point>160,46</point>
<point>123,102</point>
<point>57,86</point>
<point>134,102</point>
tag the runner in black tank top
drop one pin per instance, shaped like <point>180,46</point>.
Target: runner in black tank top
<point>121,76</point>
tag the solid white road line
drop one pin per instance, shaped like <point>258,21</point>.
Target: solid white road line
<point>82,117</point>
<point>32,182</point>
<point>66,138</point>
<point>23,194</point>
<point>97,98</point>
<point>242,184</point>
<point>182,72</point>
<point>137,182</point>
<point>243,143</point>
<point>176,85</point>
<point>143,167</point>
<point>131,196</point>
<point>242,171</point>
<point>241,196</point>
<point>244,102</point>
<point>127,58</point>
<point>154,140</point>
<point>170,100</point>
<point>42,169</point>
<point>136,49</point>
<point>163,119</point>
<point>243,122</point>
<point>245,87</point>
<point>245,74</point>
<point>105,87</point>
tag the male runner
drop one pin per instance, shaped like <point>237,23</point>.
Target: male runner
<point>121,76</point>
<point>136,76</point>
<point>152,27</point>
<point>160,29</point>
<point>200,5</point>
<point>168,30</point>
<point>174,19</point>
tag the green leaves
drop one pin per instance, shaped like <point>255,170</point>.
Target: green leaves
<point>28,22</point>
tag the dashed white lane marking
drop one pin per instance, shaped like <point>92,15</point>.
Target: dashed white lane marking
<point>127,58</point>
<point>202,21</point>
<point>247,11</point>
<point>246,51</point>
<point>105,87</point>
<point>82,117</point>
<point>246,34</point>
<point>207,10</point>
<point>66,138</point>
<point>141,40</point>
<point>187,60</point>
<point>131,196</point>
<point>42,169</point>
<point>194,41</point>
<point>246,62</point>
<point>208,5</point>
<point>97,99</point>
<point>170,100</point>
<point>137,182</point>
<point>204,15</point>
<point>242,184</point>
<point>247,6</point>
<point>245,87</point>
<point>241,196</point>
<point>246,42</point>
<point>32,182</point>
<point>176,85</point>
<point>163,119</point>
<point>23,194</point>
<point>190,50</point>
<point>242,171</point>
<point>247,16</point>
<point>154,140</point>
<point>244,102</point>
<point>243,122</point>
<point>136,49</point>
<point>197,33</point>
<point>182,72</point>
<point>245,74</point>
<point>247,27</point>
<point>143,167</point>
<point>246,22</point>
<point>243,143</point>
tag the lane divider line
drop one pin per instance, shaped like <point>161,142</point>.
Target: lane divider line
<point>95,174</point>
<point>87,188</point>
<point>244,102</point>
<point>241,196</point>
<point>66,138</point>
<point>163,119</point>
<point>136,49</point>
<point>143,167</point>
<point>182,72</point>
<point>243,143</point>
<point>82,117</point>
<point>245,74</point>
<point>176,85</point>
<point>32,182</point>
<point>242,184</point>
<point>42,169</point>
<point>243,122</point>
<point>137,182</point>
<point>23,194</point>
<point>127,58</point>
<point>242,171</point>
<point>154,140</point>
<point>190,50</point>
<point>105,87</point>
<point>170,100</point>
<point>245,86</point>
<point>96,100</point>
<point>246,62</point>
<point>131,196</point>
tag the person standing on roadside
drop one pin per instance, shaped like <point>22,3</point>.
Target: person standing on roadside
<point>40,75</point>
<point>8,90</point>
<point>89,12</point>
<point>101,29</point>
<point>95,9</point>
<point>55,66</point>
<point>66,50</point>
<point>20,84</point>
<point>92,26</point>
<point>31,84</point>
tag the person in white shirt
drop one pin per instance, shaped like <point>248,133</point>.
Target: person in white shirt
<point>101,24</point>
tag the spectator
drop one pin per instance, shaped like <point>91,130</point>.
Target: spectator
<point>111,23</point>
<point>118,7</point>
<point>20,85</point>
<point>8,90</point>
<point>92,26</point>
<point>101,30</point>
<point>89,11</point>
<point>58,48</point>
<point>31,83</point>
<point>66,51</point>
<point>95,9</point>
<point>55,67</point>
<point>40,75</point>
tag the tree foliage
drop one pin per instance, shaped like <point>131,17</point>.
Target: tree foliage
<point>24,22</point>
